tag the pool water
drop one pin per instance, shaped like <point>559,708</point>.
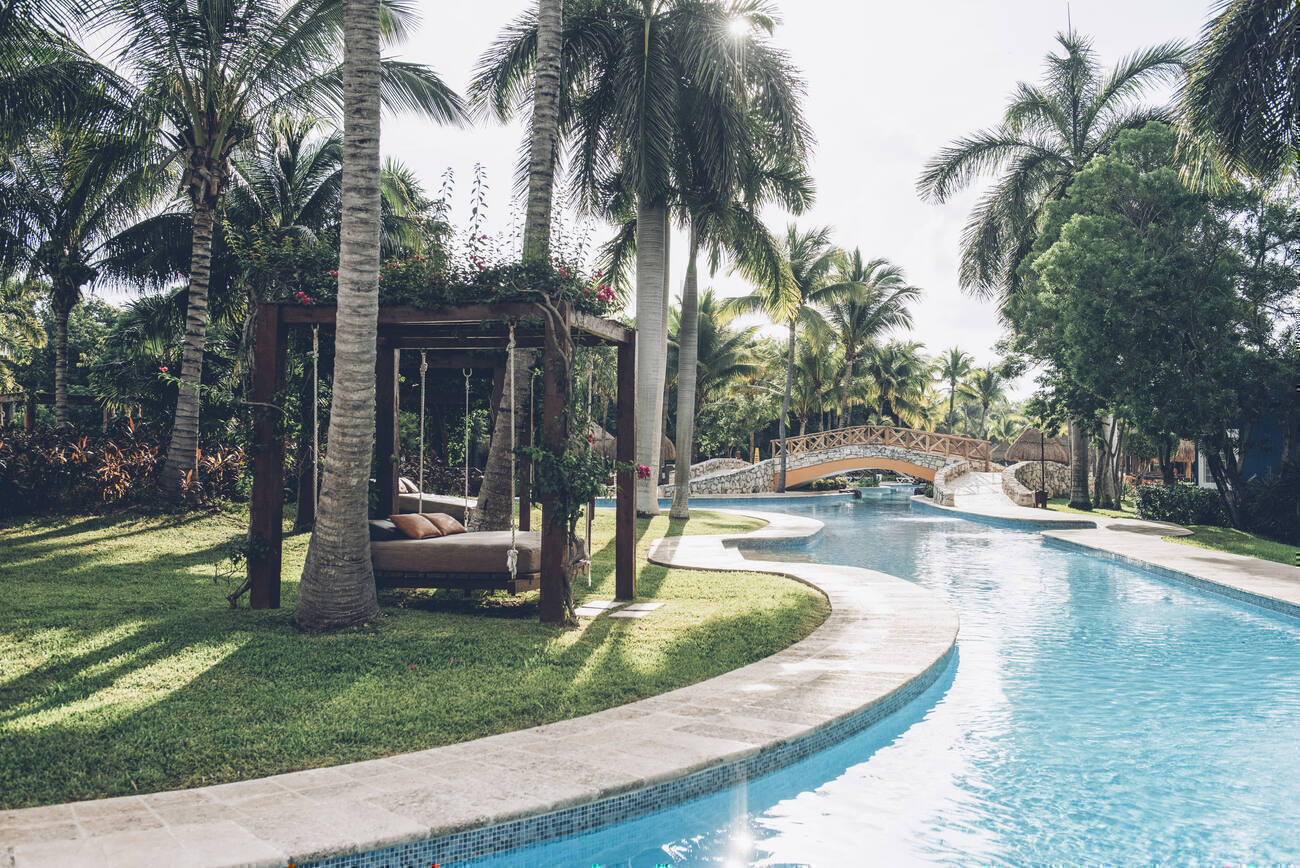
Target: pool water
<point>1095,714</point>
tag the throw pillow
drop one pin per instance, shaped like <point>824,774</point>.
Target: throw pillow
<point>445,524</point>
<point>415,525</point>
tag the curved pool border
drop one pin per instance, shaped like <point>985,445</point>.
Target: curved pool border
<point>884,642</point>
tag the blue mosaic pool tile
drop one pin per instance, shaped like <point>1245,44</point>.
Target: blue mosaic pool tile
<point>526,831</point>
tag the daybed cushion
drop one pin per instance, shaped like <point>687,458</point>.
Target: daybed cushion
<point>445,524</point>
<point>415,526</point>
<point>481,552</point>
<point>452,506</point>
<point>383,529</point>
<point>406,486</point>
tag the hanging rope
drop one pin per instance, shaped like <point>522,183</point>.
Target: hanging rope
<point>315,417</point>
<point>424,368</point>
<point>512,556</point>
<point>591,371</point>
<point>466,373</point>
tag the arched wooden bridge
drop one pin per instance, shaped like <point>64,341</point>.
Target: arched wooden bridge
<point>864,447</point>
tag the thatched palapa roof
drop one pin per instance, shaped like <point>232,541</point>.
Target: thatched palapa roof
<point>1029,446</point>
<point>607,444</point>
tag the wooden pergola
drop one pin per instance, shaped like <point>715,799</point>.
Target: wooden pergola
<point>467,336</point>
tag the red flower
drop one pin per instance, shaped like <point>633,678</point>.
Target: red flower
<point>163,369</point>
<point>642,472</point>
<point>334,274</point>
<point>591,438</point>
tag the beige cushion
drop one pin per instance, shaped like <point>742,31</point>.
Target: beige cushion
<point>483,552</point>
<point>417,527</point>
<point>445,524</point>
<point>452,506</point>
<point>406,486</point>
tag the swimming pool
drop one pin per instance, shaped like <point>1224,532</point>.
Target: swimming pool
<point>1095,713</point>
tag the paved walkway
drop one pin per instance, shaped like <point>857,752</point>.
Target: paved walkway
<point>884,641</point>
<point>1140,542</point>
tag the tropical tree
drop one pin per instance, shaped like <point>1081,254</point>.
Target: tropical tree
<point>1242,96</point>
<point>214,74</point>
<point>953,367</point>
<point>878,304</point>
<point>806,285</point>
<point>71,196</point>
<point>636,76</point>
<point>725,355</point>
<point>1048,134</point>
<point>20,329</point>
<point>897,377</point>
<point>986,386</point>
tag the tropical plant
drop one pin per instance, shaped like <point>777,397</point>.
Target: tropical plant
<point>1242,96</point>
<point>1048,134</point>
<point>897,379</point>
<point>878,304</point>
<point>987,386</point>
<point>725,355</point>
<point>640,79</point>
<point>795,299</point>
<point>216,74</point>
<point>953,367</point>
<point>20,328</point>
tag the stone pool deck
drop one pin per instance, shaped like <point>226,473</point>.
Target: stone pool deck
<point>1254,580</point>
<point>884,641</point>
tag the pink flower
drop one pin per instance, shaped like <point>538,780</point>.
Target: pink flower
<point>642,472</point>
<point>591,438</point>
<point>412,666</point>
<point>163,369</point>
<point>334,274</point>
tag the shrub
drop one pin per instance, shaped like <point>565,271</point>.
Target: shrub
<point>58,471</point>
<point>1272,506</point>
<point>1181,504</point>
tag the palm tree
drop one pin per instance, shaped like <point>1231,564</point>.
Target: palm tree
<point>954,367</point>
<point>898,376</point>
<point>1048,134</point>
<point>815,372</point>
<point>794,300</point>
<point>71,194</point>
<point>637,77</point>
<point>20,329</point>
<point>337,588</point>
<point>879,303</point>
<point>1241,97</point>
<point>214,75</point>
<point>725,355</point>
<point>987,386</point>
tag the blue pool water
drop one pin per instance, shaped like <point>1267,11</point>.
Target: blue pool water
<point>1095,714</point>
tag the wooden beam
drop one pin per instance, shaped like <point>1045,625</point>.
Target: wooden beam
<point>625,508</point>
<point>556,371</point>
<point>266,509</point>
<point>388,444</point>
<point>607,330</point>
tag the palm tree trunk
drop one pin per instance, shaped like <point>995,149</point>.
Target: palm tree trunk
<point>651,265</point>
<point>687,370</point>
<point>183,448</point>
<point>338,583</point>
<point>785,406</point>
<point>952,397</point>
<point>545,131</point>
<point>496,494</point>
<point>1078,467</point>
<point>62,310</point>
<point>849,359</point>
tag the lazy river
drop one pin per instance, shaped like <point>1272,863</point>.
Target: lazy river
<point>1095,713</point>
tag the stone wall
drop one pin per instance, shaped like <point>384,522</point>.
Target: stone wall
<point>714,466</point>
<point>944,479</point>
<point>1019,481</point>
<point>760,477</point>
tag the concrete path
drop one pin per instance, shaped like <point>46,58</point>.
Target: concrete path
<point>883,643</point>
<point>1274,585</point>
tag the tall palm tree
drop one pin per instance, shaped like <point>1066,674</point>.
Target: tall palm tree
<point>337,588</point>
<point>1048,134</point>
<point>214,74</point>
<point>725,354</point>
<point>796,298</point>
<point>71,194</point>
<point>878,304</point>
<point>897,377</point>
<point>1242,97</point>
<point>953,367</point>
<point>636,75</point>
<point>987,386</point>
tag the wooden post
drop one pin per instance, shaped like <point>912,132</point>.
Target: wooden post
<point>29,415</point>
<point>388,442</point>
<point>555,437</point>
<point>625,509</point>
<point>526,472</point>
<point>266,510</point>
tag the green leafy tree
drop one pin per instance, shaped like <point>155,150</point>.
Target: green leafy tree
<point>954,367</point>
<point>897,376</point>
<point>20,329</point>
<point>987,386</point>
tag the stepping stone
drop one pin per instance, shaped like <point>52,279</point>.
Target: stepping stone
<point>629,613</point>
<point>601,604</point>
<point>643,607</point>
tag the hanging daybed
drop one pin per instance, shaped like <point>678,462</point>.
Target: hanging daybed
<point>468,337</point>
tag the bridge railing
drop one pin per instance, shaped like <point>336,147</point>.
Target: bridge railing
<point>929,442</point>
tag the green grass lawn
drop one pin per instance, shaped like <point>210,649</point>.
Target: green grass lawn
<point>1225,539</point>
<point>122,670</point>
<point>1061,504</point>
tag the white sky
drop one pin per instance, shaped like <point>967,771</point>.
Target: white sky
<point>889,83</point>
